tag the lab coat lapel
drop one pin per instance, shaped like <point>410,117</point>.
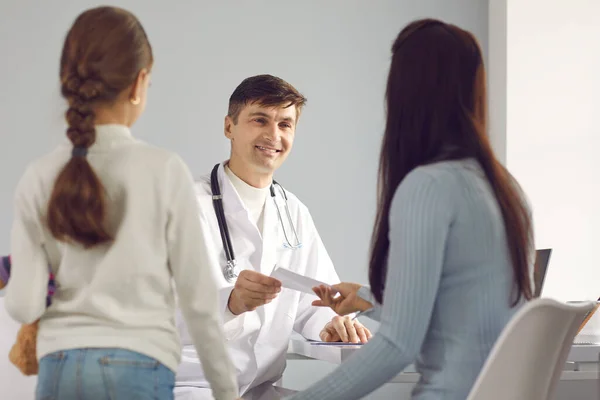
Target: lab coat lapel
<point>270,237</point>
<point>235,211</point>
<point>232,204</point>
<point>241,228</point>
<point>269,258</point>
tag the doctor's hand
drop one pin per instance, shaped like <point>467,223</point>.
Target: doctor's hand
<point>347,302</point>
<point>345,329</point>
<point>252,290</point>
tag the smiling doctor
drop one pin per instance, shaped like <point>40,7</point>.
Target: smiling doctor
<point>254,224</point>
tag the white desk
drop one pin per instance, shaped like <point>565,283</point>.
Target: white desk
<point>579,380</point>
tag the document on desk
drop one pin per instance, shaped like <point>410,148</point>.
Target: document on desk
<point>294,281</point>
<point>335,344</point>
<point>589,329</point>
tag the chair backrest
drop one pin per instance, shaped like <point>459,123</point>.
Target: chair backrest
<point>529,356</point>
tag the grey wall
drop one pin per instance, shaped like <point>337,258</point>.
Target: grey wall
<point>497,75</point>
<point>335,52</point>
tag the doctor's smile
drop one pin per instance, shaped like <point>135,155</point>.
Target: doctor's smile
<point>268,150</point>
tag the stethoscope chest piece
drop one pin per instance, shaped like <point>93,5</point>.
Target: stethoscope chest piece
<point>229,272</point>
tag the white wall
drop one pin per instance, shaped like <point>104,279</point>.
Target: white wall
<point>336,52</point>
<point>552,136</point>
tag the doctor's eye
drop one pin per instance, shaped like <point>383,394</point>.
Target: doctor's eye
<point>260,121</point>
<point>286,125</point>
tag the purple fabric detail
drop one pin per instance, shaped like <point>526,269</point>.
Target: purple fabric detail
<point>5,264</point>
<point>5,269</point>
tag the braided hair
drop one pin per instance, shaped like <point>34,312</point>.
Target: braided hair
<point>103,54</point>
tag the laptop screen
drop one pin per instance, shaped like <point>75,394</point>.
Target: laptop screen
<point>542,257</point>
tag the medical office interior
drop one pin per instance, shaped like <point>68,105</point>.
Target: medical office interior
<point>542,58</point>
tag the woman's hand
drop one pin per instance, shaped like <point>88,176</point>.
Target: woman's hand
<point>347,302</point>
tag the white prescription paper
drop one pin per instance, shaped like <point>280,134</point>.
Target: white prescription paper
<point>294,281</point>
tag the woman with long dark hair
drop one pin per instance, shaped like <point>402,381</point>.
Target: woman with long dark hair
<point>452,248</point>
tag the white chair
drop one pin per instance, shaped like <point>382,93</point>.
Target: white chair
<point>529,356</point>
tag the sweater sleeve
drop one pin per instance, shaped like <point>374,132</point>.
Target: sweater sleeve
<point>373,313</point>
<point>420,218</point>
<point>25,298</point>
<point>190,261</point>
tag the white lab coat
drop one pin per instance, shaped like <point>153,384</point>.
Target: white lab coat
<point>258,340</point>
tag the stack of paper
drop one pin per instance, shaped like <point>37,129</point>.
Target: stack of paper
<point>589,332</point>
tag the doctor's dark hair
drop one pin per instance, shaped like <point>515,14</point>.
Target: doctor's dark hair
<point>436,111</point>
<point>103,53</point>
<point>266,90</point>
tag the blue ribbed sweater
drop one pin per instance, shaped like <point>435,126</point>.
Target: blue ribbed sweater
<point>448,289</point>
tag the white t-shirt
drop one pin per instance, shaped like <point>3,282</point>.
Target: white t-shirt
<point>252,197</point>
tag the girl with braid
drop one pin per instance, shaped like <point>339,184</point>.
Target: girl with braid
<point>115,218</point>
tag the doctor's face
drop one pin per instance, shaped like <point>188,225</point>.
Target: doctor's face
<point>262,137</point>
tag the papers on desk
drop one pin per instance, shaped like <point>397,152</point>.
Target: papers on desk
<point>589,330</point>
<point>294,281</point>
<point>335,344</point>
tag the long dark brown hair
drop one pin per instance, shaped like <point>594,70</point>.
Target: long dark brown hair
<point>103,53</point>
<point>436,110</point>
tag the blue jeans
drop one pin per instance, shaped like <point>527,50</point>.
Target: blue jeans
<point>103,374</point>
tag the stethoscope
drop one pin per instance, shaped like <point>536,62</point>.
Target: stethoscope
<point>229,270</point>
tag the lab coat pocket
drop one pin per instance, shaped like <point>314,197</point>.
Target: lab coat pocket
<point>285,257</point>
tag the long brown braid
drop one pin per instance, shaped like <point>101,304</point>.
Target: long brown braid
<point>103,53</point>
